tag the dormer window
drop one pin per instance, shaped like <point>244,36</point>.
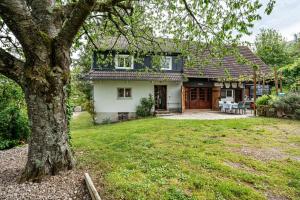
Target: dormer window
<point>123,61</point>
<point>166,63</point>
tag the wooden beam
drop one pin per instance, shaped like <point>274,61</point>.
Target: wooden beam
<point>93,192</point>
<point>254,91</point>
<point>263,84</point>
<point>276,79</point>
<point>182,99</point>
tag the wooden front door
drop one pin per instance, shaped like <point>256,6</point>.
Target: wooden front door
<point>198,98</point>
<point>160,93</point>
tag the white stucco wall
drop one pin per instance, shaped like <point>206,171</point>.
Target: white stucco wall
<point>106,101</point>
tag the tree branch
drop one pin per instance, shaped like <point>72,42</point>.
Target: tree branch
<point>90,38</point>
<point>74,15</point>
<point>11,67</point>
<point>17,17</point>
<point>77,17</point>
<point>192,14</point>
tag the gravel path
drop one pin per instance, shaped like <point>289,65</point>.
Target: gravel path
<point>66,186</point>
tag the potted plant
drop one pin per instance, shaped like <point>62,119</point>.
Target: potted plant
<point>227,85</point>
<point>234,85</point>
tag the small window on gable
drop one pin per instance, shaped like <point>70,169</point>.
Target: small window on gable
<point>166,63</point>
<point>123,61</point>
<point>124,92</point>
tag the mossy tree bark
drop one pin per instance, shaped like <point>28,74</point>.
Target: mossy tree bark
<point>46,35</point>
<point>45,88</point>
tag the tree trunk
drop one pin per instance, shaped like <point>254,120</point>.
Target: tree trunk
<point>46,95</point>
<point>280,82</point>
<point>46,32</point>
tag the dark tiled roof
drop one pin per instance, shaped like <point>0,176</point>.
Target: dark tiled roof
<point>121,44</point>
<point>130,75</point>
<point>230,67</point>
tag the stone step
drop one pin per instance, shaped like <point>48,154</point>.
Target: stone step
<point>162,113</point>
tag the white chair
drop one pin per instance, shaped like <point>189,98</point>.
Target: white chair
<point>226,106</point>
<point>220,105</point>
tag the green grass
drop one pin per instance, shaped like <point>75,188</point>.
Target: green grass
<point>189,159</point>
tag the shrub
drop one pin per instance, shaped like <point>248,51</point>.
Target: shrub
<point>145,107</point>
<point>289,104</point>
<point>263,100</point>
<point>14,128</point>
<point>6,144</point>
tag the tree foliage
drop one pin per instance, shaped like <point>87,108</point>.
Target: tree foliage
<point>14,128</point>
<point>291,72</point>
<point>272,48</point>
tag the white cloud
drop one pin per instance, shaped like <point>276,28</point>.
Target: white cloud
<point>285,18</point>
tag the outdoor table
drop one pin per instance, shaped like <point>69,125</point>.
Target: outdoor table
<point>229,106</point>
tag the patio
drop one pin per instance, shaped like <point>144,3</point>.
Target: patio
<point>199,114</point>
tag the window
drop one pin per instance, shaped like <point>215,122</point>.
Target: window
<point>124,92</point>
<point>229,93</point>
<point>193,93</point>
<point>123,116</point>
<point>166,63</point>
<point>124,61</point>
<point>225,93</point>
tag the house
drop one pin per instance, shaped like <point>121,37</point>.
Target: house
<point>120,79</point>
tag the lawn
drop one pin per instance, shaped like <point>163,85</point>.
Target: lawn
<point>254,158</point>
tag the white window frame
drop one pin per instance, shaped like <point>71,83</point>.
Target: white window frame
<point>164,58</point>
<point>232,93</point>
<point>117,60</point>
<point>124,92</point>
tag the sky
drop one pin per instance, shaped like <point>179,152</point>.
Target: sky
<point>284,18</point>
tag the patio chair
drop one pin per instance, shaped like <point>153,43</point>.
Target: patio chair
<point>241,106</point>
<point>248,106</point>
<point>220,105</point>
<point>235,108</point>
<point>226,107</point>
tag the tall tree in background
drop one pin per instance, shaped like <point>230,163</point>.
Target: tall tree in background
<point>37,36</point>
<point>272,49</point>
<point>291,72</point>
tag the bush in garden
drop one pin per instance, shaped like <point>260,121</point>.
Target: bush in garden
<point>263,100</point>
<point>289,104</point>
<point>263,105</point>
<point>14,127</point>
<point>145,107</point>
